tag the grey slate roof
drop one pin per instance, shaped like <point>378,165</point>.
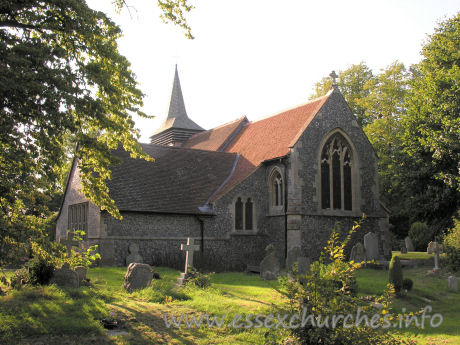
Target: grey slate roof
<point>177,115</point>
<point>179,181</point>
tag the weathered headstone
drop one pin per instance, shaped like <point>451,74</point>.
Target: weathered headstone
<point>357,253</point>
<point>409,244</point>
<point>453,283</point>
<point>371,244</point>
<point>138,276</point>
<point>81,272</point>
<point>270,266</point>
<point>134,256</point>
<point>292,256</point>
<point>436,248</point>
<point>429,249</point>
<point>65,277</point>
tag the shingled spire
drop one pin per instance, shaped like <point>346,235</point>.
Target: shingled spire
<point>177,127</point>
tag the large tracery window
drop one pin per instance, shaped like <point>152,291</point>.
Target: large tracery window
<point>336,174</point>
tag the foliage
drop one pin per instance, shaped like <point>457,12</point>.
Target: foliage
<point>80,255</point>
<point>40,271</point>
<point>20,278</point>
<point>199,279</point>
<point>407,284</point>
<point>326,291</point>
<point>421,235</point>
<point>451,245</point>
<point>396,273</point>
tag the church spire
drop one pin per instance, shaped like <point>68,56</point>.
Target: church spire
<point>177,127</point>
<point>177,105</point>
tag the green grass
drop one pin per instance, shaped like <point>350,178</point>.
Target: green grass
<point>414,255</point>
<point>50,315</point>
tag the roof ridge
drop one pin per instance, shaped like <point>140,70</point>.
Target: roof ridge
<point>220,126</point>
<point>182,148</point>
<point>292,108</point>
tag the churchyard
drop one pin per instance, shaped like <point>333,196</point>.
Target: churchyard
<point>54,315</point>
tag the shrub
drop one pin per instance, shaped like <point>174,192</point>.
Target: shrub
<point>40,271</point>
<point>194,277</point>
<point>328,290</point>
<point>20,278</point>
<point>451,246</point>
<point>396,274</point>
<point>420,235</point>
<point>407,284</point>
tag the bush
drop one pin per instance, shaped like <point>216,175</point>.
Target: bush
<point>420,235</point>
<point>407,284</point>
<point>451,246</point>
<point>40,271</point>
<point>194,277</point>
<point>396,274</point>
<point>328,290</point>
<point>20,278</point>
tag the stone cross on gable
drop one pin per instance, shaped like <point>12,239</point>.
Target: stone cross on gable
<point>69,242</point>
<point>334,77</point>
<point>189,248</point>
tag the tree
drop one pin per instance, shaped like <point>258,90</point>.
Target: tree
<point>432,126</point>
<point>352,83</point>
<point>65,90</point>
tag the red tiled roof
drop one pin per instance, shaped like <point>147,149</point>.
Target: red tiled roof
<point>269,138</point>
<point>214,139</point>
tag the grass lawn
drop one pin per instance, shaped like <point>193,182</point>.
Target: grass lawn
<point>49,315</point>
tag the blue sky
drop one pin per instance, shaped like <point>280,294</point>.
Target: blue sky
<point>256,58</point>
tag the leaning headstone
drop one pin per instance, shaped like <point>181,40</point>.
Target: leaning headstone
<point>436,248</point>
<point>134,256</point>
<point>81,272</point>
<point>453,283</point>
<point>357,253</point>
<point>409,244</point>
<point>371,244</point>
<point>138,276</point>
<point>65,277</point>
<point>270,266</point>
<point>292,256</point>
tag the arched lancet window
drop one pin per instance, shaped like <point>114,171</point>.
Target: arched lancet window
<point>336,174</point>
<point>239,214</point>
<point>276,189</point>
<point>248,214</point>
<point>244,214</point>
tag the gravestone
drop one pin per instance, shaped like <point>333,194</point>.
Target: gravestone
<point>65,277</point>
<point>357,253</point>
<point>81,272</point>
<point>189,248</point>
<point>134,256</point>
<point>403,250</point>
<point>371,244</point>
<point>409,244</point>
<point>69,242</point>
<point>436,248</point>
<point>270,266</point>
<point>453,283</point>
<point>292,257</point>
<point>138,276</point>
<point>429,249</point>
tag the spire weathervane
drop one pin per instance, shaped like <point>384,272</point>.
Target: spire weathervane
<point>334,77</point>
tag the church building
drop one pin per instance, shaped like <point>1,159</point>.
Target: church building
<point>284,180</point>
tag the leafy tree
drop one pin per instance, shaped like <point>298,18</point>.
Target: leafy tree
<point>65,91</point>
<point>352,83</point>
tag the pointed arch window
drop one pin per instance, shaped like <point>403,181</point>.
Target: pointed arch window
<point>276,189</point>
<point>336,174</point>
<point>244,214</point>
